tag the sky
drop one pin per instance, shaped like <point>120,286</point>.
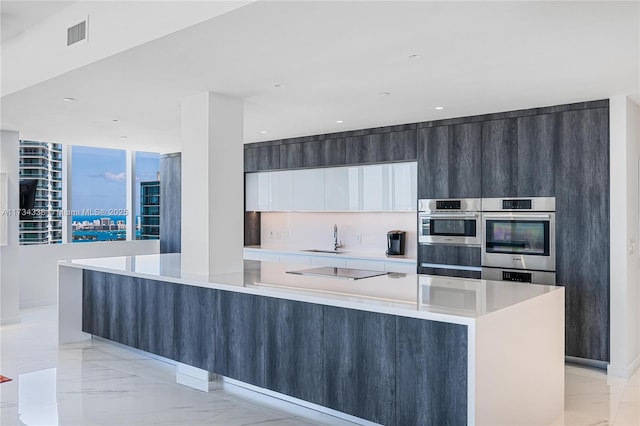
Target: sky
<point>98,177</point>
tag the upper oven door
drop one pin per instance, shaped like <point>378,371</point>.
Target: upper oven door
<point>519,240</point>
<point>449,228</point>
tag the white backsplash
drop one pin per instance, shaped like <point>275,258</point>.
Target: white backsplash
<point>357,231</point>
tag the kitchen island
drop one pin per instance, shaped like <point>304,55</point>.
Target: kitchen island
<point>396,349</point>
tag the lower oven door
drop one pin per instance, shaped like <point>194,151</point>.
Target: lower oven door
<point>451,228</point>
<point>519,275</point>
<point>519,241</point>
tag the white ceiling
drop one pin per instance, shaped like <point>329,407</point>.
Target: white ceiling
<point>334,58</point>
<point>17,16</point>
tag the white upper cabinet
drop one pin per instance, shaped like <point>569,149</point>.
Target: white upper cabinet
<point>257,191</point>
<point>281,191</point>
<point>341,189</point>
<point>379,187</point>
<point>308,190</point>
<point>405,188</point>
<point>376,187</point>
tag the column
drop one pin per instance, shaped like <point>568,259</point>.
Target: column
<point>9,269</point>
<point>624,122</point>
<point>212,184</point>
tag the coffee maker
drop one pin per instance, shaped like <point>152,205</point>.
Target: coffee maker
<point>395,243</point>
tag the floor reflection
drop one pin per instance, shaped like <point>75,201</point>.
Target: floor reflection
<point>102,383</point>
<point>37,398</point>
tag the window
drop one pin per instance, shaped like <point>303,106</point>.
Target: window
<point>147,197</point>
<point>98,194</point>
<point>41,162</point>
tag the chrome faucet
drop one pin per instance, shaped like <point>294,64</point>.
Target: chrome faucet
<point>336,245</point>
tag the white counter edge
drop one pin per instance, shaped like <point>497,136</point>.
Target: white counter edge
<point>289,295</point>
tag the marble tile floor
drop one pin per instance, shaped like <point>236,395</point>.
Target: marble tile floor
<point>98,383</point>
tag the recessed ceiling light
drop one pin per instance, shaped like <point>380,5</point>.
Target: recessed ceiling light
<point>264,132</point>
<point>68,99</point>
<point>115,120</point>
<point>339,121</point>
<point>278,85</point>
<point>414,56</point>
<point>439,108</point>
<point>384,93</point>
<point>123,137</point>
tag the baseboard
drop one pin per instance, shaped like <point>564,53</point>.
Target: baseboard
<point>587,362</point>
<point>10,320</point>
<point>37,304</point>
<point>624,371</point>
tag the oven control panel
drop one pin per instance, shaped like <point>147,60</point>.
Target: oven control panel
<point>516,204</point>
<point>520,277</point>
<point>448,205</point>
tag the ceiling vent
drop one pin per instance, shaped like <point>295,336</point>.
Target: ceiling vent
<point>77,33</point>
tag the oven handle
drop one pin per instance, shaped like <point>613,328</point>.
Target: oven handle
<point>515,216</point>
<point>449,215</point>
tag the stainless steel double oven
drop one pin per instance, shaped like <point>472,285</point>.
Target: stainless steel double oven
<point>516,235</point>
<point>519,239</point>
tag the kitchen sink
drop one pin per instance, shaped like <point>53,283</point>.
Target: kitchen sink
<point>323,251</point>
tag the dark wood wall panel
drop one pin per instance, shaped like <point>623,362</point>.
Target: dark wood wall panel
<point>170,203</point>
<point>582,230</point>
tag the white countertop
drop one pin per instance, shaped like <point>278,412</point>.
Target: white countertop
<point>346,254</point>
<point>454,300</point>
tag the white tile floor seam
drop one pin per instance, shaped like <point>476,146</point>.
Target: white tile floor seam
<point>99,383</point>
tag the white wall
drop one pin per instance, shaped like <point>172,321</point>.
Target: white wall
<point>297,230</point>
<point>625,257</point>
<point>39,270</point>
<point>9,286</point>
<point>113,27</point>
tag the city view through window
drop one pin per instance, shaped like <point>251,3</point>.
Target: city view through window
<point>98,194</point>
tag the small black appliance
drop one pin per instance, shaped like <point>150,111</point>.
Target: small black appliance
<point>395,243</point>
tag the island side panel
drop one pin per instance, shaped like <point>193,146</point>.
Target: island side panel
<point>239,330</point>
<point>359,364</point>
<point>519,367</point>
<point>294,363</point>
<point>431,370</point>
<point>157,317</point>
<point>194,325</point>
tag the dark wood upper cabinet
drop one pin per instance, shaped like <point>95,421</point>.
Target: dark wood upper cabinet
<point>538,138</point>
<point>382,147</point>
<point>291,155</point>
<point>500,158</point>
<point>262,157</point>
<point>449,161</point>
<point>518,156</point>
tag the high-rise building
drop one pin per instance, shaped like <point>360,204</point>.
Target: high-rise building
<point>150,210</point>
<point>43,161</point>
